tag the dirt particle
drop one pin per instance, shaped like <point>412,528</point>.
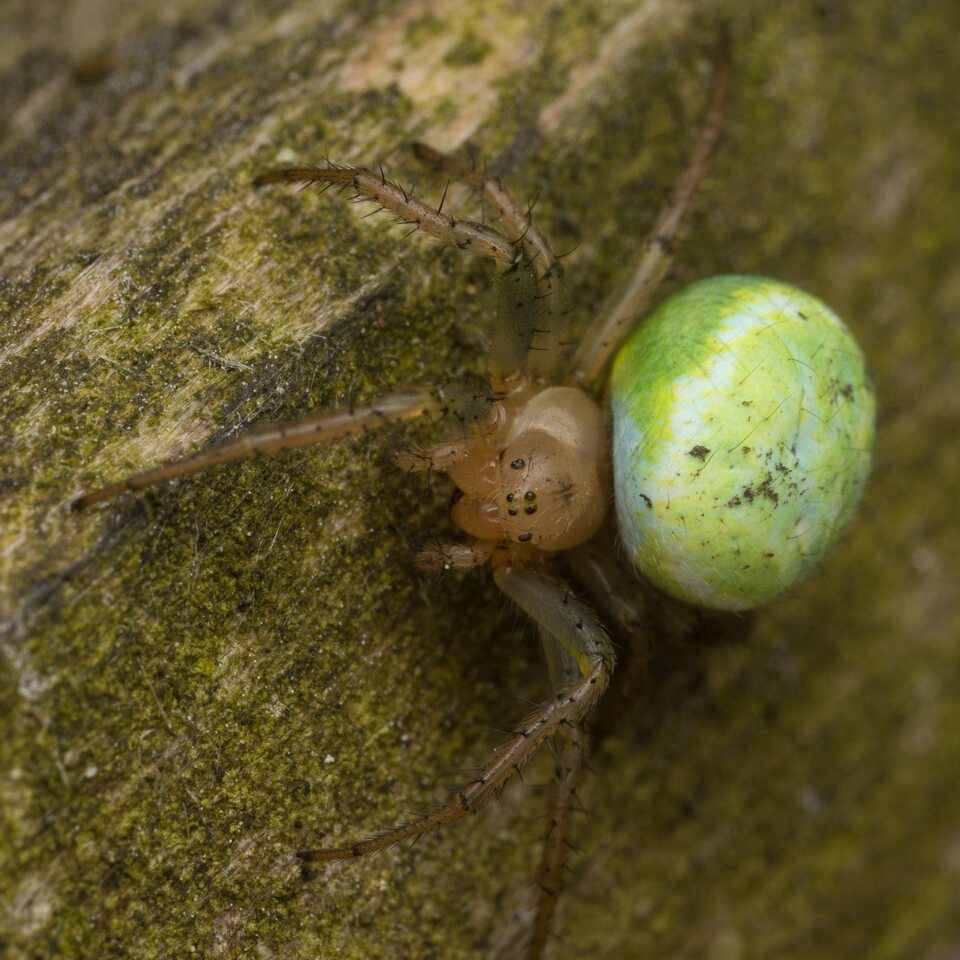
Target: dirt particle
<point>765,489</point>
<point>700,452</point>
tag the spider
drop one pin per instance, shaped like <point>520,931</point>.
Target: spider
<point>534,473</point>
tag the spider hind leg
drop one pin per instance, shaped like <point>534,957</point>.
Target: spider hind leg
<point>579,644</point>
<point>569,770</point>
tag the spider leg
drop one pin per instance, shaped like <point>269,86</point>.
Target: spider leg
<point>455,556</point>
<point>278,437</point>
<point>511,345</point>
<point>467,235</point>
<point>632,300</point>
<point>622,595</point>
<point>568,775</point>
<point>539,305</point>
<point>575,630</point>
<point>629,603</point>
<point>517,220</point>
<point>435,458</point>
<point>526,303</point>
<point>569,769</point>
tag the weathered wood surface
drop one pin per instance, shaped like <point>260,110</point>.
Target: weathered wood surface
<point>199,680</point>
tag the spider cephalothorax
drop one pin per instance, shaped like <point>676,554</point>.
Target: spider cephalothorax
<point>535,472</point>
<point>731,476</point>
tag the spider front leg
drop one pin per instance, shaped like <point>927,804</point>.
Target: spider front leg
<point>278,437</point>
<point>517,220</point>
<point>373,187</point>
<point>543,349</point>
<point>527,340</point>
<point>575,635</point>
<point>632,300</point>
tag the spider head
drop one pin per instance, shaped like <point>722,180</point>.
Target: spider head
<point>547,486</point>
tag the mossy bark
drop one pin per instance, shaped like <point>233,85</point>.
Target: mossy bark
<point>199,680</point>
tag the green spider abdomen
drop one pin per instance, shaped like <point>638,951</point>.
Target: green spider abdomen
<point>743,428</point>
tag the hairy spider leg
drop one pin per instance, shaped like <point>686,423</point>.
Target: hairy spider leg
<point>623,596</point>
<point>631,606</point>
<point>625,601</point>
<point>570,757</point>
<point>632,300</point>
<point>466,235</point>
<point>518,300</point>
<point>547,310</point>
<point>517,220</point>
<point>528,335</point>
<point>569,770</point>
<point>566,622</point>
<point>278,437</point>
